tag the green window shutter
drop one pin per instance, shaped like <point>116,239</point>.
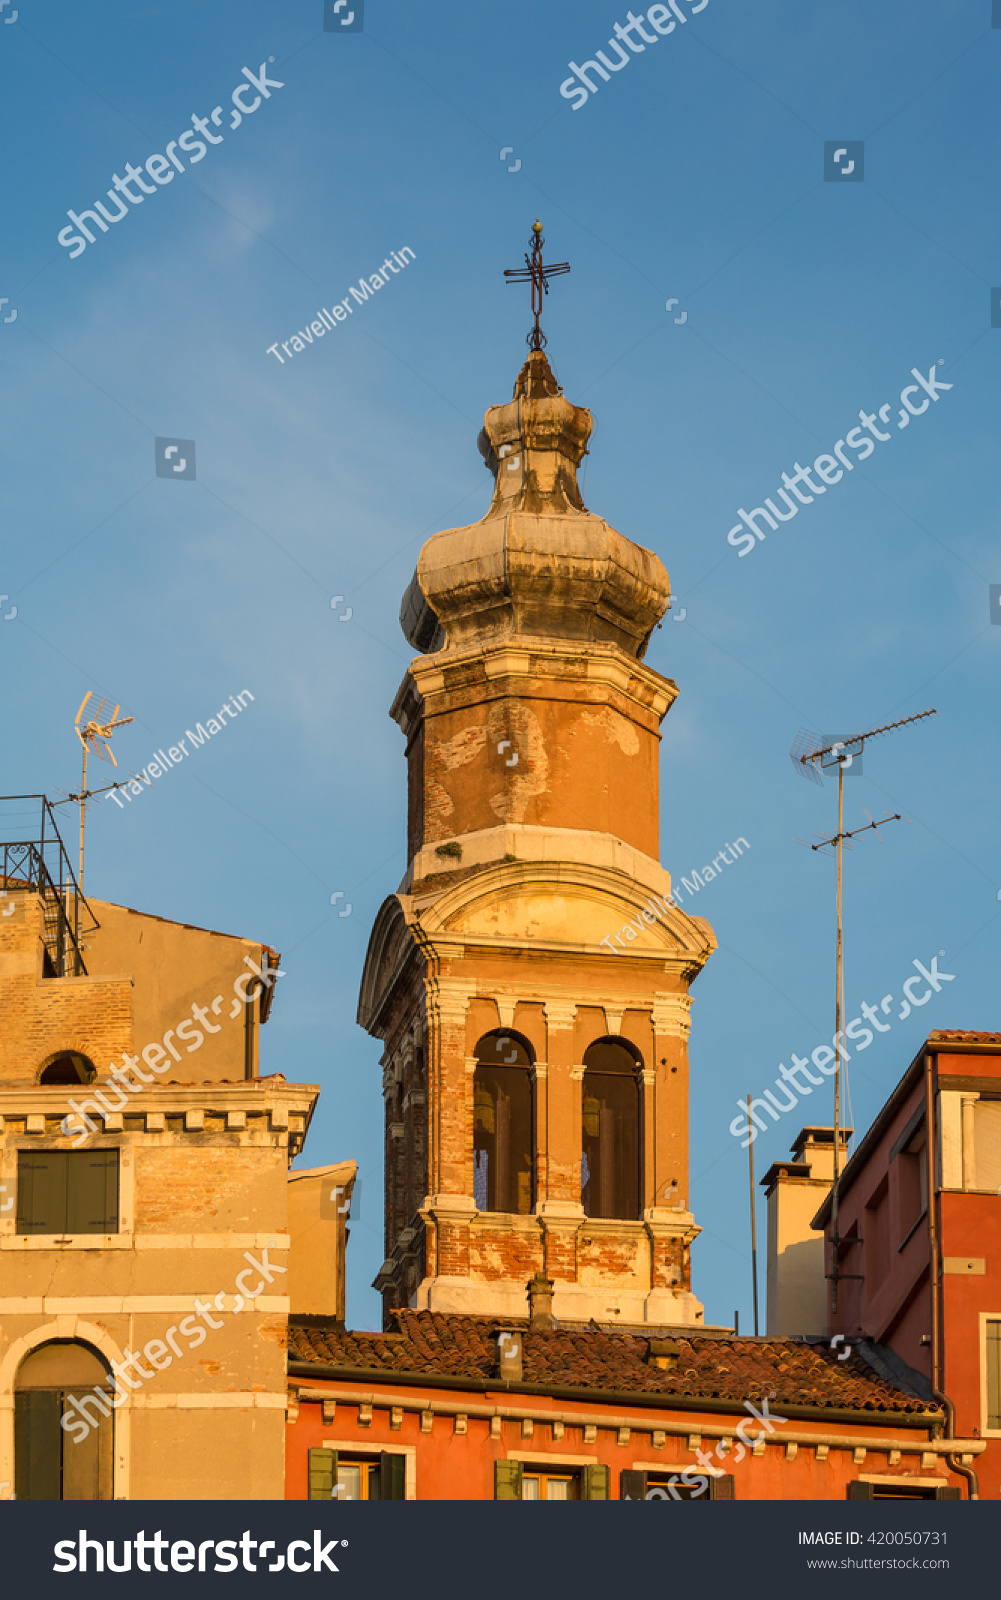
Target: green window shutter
<point>92,1191</point>
<point>41,1191</point>
<point>945,1491</point>
<point>83,1458</point>
<point>38,1445</point>
<point>507,1480</point>
<point>722,1488</point>
<point>859,1491</point>
<point>392,1476</point>
<point>597,1482</point>
<point>322,1474</point>
<point>994,1374</point>
<point>632,1485</point>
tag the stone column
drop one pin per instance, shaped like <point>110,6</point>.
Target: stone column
<point>648,1138</point>
<point>561,1212</point>
<point>540,1085</point>
<point>671,1019</point>
<point>669,1222</point>
<point>449,1206</point>
<point>470,1101</point>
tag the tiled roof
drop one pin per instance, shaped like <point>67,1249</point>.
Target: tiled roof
<point>789,1372</point>
<point>962,1036</point>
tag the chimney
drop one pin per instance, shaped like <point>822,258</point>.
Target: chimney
<point>663,1353</point>
<point>540,1301</point>
<point>509,1355</point>
<point>797,1288</point>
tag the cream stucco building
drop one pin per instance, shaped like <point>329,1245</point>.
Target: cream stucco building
<point>149,1251</point>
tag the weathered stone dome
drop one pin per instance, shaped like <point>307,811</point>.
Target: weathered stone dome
<point>539,563</point>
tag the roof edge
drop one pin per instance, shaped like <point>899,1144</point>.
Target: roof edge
<point>927,1418</point>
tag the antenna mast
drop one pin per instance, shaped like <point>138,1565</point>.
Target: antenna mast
<point>754,1238</point>
<point>812,756</point>
<point>95,733</point>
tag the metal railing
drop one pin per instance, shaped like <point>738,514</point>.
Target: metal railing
<point>33,856</point>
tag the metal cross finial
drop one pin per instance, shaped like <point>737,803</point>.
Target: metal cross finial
<point>539,274</point>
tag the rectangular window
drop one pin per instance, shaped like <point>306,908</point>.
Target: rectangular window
<point>877,1239</point>
<point>549,1486</point>
<point>987,1145</point>
<point>901,1491</point>
<point>66,1192</point>
<point>994,1375</point>
<point>516,1480</point>
<point>336,1476</point>
<point>912,1186</point>
<point>682,1483</point>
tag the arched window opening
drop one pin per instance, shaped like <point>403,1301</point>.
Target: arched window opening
<point>502,1124</point>
<point>69,1068</point>
<point>610,1170</point>
<point>63,1382</point>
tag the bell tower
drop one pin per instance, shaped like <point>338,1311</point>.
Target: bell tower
<point>530,979</point>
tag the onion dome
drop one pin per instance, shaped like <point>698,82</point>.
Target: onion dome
<point>539,564</point>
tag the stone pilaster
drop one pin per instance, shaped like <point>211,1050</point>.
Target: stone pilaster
<point>563,1106</point>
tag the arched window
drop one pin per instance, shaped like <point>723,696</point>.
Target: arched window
<point>610,1167</point>
<point>69,1068</point>
<point>502,1124</point>
<point>64,1380</point>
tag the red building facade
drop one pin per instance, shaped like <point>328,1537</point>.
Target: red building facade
<point>929,1276</point>
<point>437,1410</point>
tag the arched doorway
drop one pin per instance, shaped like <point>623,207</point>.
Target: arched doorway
<point>63,1382</point>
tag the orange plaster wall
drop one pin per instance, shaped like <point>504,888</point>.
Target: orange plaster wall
<point>453,1466</point>
<point>580,765</point>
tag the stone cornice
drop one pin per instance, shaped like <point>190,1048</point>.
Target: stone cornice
<point>560,1014</point>
<point>257,1094</point>
<point>450,998</point>
<point>528,842</point>
<point>672,1015</point>
<point>532,658</point>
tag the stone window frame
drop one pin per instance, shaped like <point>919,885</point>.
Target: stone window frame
<point>124,1239</point>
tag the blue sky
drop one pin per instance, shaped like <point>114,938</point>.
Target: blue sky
<point>695,173</point>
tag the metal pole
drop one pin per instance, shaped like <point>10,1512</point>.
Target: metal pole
<point>839,984</point>
<point>83,807</point>
<point>754,1240</point>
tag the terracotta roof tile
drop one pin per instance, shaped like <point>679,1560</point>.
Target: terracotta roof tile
<point>963,1036</point>
<point>789,1372</point>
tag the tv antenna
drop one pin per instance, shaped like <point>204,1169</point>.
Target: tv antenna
<point>812,756</point>
<point>95,734</point>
